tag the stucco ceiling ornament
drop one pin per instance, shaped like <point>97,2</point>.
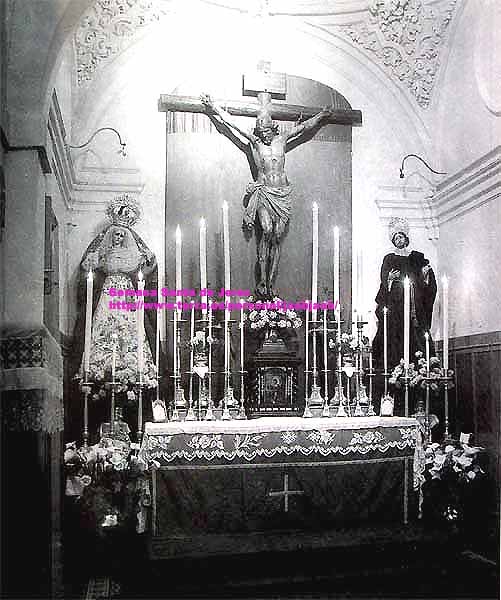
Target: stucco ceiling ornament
<point>107,28</point>
<point>406,36</point>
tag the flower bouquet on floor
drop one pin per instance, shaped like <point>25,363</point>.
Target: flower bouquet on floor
<point>455,482</point>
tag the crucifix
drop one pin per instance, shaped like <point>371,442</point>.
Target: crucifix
<point>285,493</point>
<point>267,199</point>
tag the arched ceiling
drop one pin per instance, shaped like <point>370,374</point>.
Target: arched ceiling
<point>405,38</point>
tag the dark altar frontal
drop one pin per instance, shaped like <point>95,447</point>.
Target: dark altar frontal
<point>272,484</point>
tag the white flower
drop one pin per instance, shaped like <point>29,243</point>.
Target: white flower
<point>282,323</point>
<point>449,448</point>
<point>471,475</point>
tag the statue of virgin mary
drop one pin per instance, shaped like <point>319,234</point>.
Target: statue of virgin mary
<point>115,257</point>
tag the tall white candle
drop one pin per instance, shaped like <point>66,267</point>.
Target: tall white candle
<point>314,269</point>
<point>179,279</point>
<point>427,340</point>
<point>306,347</point>
<point>203,261</point>
<point>339,359</point>
<point>407,315</point>
<point>226,343</point>
<point>445,302</point>
<point>242,356</point>
<point>336,265</point>
<point>326,375</point>
<point>174,341</point>
<point>360,285</point>
<point>226,247</point>
<point>88,321</point>
<point>140,329</point>
<point>385,339</point>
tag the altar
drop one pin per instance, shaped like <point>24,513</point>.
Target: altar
<point>235,487</point>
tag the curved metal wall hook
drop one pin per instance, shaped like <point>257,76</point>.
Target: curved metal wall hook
<point>422,160</point>
<point>122,144</point>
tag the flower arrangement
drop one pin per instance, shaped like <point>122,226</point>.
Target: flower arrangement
<point>453,471</point>
<point>349,343</point>
<point>418,374</point>
<point>272,318</point>
<point>108,483</point>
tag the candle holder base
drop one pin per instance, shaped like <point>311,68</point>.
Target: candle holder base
<point>315,398</point>
<point>326,412</point>
<point>341,411</point>
<point>307,414</point>
<point>370,410</point>
<point>209,414</point>
<point>226,415</point>
<point>190,415</point>
<point>179,399</point>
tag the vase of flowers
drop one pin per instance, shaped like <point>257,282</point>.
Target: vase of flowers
<point>274,327</point>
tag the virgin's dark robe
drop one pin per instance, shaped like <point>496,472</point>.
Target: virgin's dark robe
<point>422,298</point>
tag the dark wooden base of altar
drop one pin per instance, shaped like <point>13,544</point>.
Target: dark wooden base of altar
<point>245,511</point>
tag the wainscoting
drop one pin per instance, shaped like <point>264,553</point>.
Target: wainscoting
<point>475,401</point>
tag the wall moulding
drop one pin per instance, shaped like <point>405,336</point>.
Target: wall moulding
<point>410,202</point>
<point>76,182</point>
<point>469,188</point>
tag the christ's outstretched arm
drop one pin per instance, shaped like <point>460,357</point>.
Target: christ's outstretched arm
<point>225,118</point>
<point>309,125</point>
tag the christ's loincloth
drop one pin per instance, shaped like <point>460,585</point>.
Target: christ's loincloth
<point>276,201</point>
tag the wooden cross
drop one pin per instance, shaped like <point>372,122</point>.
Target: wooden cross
<point>265,85</point>
<point>286,492</point>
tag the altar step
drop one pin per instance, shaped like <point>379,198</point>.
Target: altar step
<point>407,562</point>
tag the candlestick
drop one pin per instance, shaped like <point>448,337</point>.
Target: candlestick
<point>385,339</point>
<point>114,338</point>
<point>88,322</point>
<point>360,284</point>
<point>174,341</point>
<point>190,416</point>
<point>407,314</point>
<point>307,360</point>
<point>140,329</point>
<point>427,341</point>
<point>314,269</point>
<point>341,412</point>
<point>157,341</point>
<point>445,301</point>
<point>326,411</point>
<point>209,415</point>
<point>241,412</point>
<point>226,247</point>
<point>179,285</point>
<point>336,265</point>
<point>203,262</point>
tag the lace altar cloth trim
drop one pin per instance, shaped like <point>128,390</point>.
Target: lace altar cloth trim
<point>313,439</point>
<point>276,424</point>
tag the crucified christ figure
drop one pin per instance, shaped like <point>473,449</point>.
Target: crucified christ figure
<point>267,199</point>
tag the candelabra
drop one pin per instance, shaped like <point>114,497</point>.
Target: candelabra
<point>315,399</point>
<point>339,394</point>
<point>359,369</point>
<point>86,387</point>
